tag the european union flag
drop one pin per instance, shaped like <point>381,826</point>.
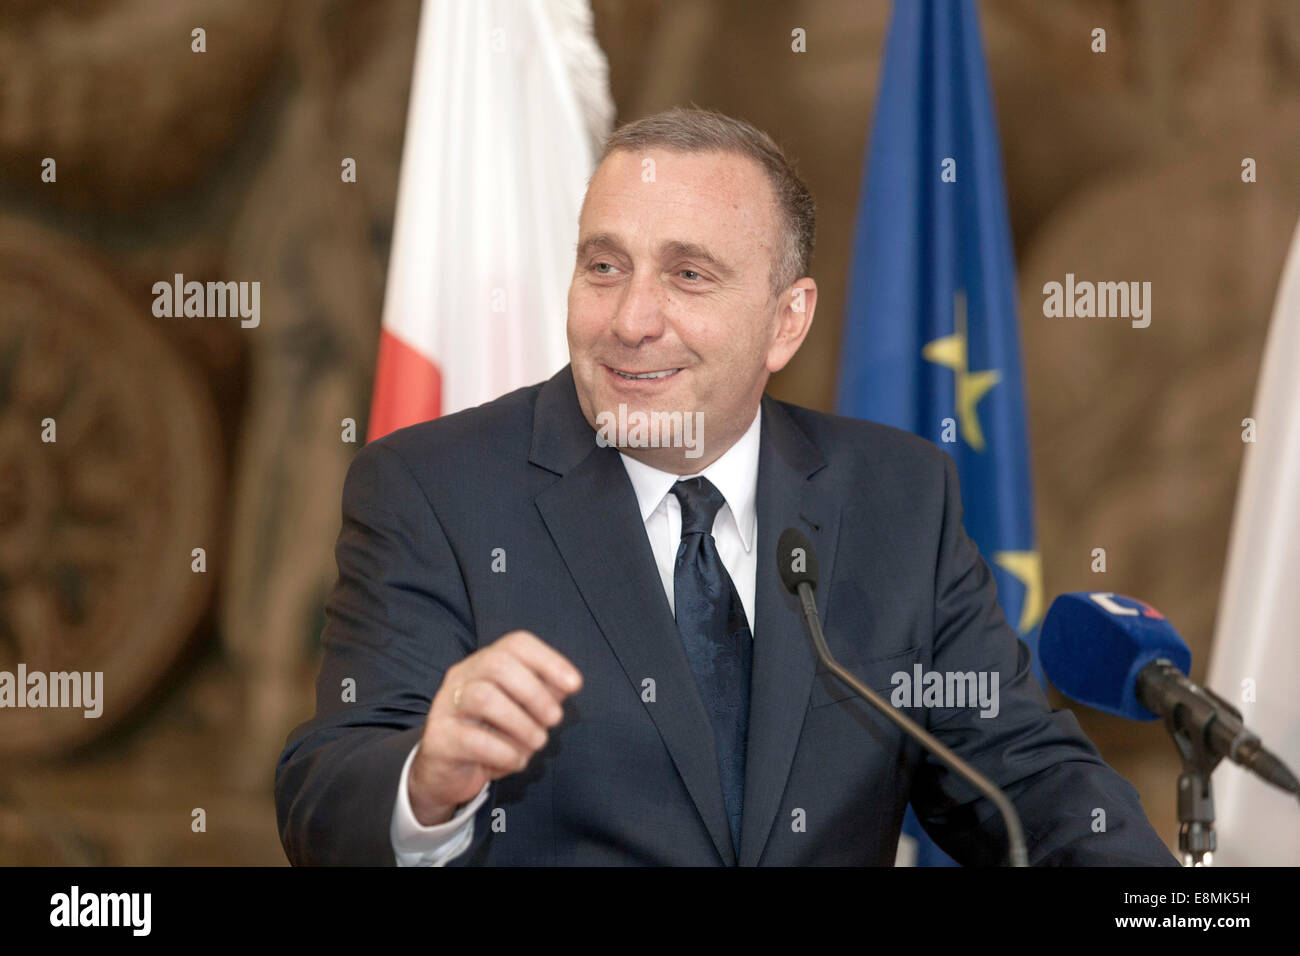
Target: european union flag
<point>931,343</point>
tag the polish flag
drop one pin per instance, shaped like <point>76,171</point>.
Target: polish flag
<point>509,103</point>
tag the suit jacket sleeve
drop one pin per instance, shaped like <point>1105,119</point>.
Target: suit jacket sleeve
<point>397,618</point>
<point>1040,757</point>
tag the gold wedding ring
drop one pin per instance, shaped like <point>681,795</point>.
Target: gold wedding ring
<point>455,697</point>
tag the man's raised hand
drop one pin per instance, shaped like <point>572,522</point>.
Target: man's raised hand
<point>488,718</point>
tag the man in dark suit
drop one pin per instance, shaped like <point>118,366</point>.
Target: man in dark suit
<point>558,635</point>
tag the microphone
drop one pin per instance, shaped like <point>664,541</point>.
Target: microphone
<point>1121,656</point>
<point>797,564</point>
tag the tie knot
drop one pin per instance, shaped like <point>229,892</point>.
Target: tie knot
<point>701,502</point>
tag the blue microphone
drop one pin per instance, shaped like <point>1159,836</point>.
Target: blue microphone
<point>1094,644</point>
<point>1120,656</point>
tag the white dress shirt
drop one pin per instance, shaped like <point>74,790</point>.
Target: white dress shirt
<point>735,529</point>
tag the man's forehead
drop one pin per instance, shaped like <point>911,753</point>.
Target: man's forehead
<point>711,173</point>
<point>729,188</point>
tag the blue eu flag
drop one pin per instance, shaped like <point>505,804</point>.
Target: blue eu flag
<point>931,343</point>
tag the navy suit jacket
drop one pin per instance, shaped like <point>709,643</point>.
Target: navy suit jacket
<point>627,780</point>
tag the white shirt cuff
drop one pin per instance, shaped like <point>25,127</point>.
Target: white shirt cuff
<point>417,845</point>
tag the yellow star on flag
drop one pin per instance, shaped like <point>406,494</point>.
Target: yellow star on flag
<point>1027,567</point>
<point>950,352</point>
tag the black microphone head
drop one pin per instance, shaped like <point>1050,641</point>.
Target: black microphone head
<point>796,560</point>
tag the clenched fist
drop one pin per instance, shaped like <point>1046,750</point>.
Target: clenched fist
<point>488,718</point>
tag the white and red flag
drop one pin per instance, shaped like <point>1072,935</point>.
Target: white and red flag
<point>509,101</point>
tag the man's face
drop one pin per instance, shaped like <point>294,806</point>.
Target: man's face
<point>673,277</point>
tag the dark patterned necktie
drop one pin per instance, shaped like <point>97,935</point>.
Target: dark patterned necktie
<point>719,645</point>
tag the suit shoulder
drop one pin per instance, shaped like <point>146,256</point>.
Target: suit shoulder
<point>501,425</point>
<point>868,442</point>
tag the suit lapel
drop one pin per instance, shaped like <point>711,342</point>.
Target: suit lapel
<point>784,659</point>
<point>591,505</point>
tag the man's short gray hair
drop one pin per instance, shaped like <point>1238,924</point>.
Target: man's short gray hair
<point>701,131</point>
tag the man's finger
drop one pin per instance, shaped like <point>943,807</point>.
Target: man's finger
<point>487,702</point>
<point>543,659</point>
<point>524,685</point>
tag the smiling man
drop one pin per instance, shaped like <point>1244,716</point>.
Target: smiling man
<point>572,651</point>
<point>687,293</point>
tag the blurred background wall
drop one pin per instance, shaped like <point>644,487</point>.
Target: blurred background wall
<point>175,434</point>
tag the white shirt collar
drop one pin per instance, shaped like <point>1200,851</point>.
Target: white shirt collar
<point>735,474</point>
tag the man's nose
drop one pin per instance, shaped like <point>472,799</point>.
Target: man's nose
<point>640,314</point>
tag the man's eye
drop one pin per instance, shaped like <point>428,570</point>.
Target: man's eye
<point>690,274</point>
<point>602,268</point>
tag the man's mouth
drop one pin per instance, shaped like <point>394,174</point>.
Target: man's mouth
<point>641,376</point>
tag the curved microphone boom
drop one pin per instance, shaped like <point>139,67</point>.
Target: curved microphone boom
<point>797,563</point>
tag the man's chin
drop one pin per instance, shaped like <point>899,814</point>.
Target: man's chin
<point>657,432</point>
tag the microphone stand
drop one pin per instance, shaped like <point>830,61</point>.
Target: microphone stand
<point>1196,837</point>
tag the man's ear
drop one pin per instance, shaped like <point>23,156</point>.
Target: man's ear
<point>795,309</point>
